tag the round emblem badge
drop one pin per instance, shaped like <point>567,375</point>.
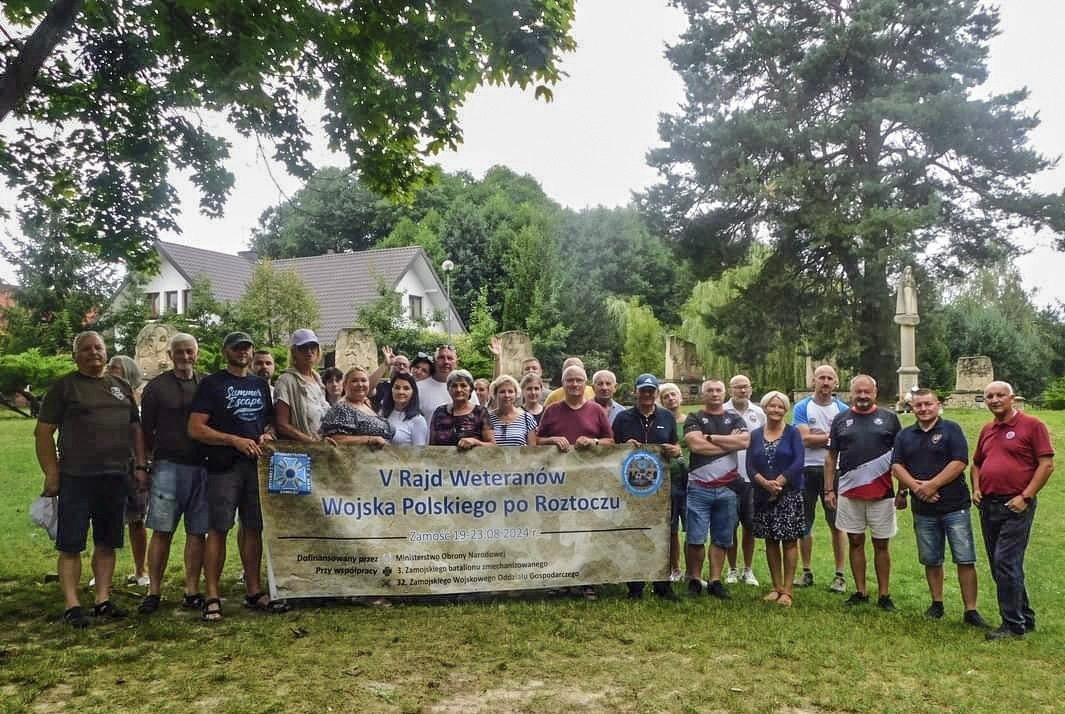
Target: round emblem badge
<point>642,473</point>
<point>1010,434</point>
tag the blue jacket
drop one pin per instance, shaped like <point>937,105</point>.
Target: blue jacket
<point>788,459</point>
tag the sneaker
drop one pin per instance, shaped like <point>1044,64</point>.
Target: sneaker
<point>884,603</point>
<point>718,590</point>
<point>1004,632</point>
<point>76,617</point>
<point>696,586</point>
<point>667,595</point>
<point>676,576</point>
<point>733,576</point>
<point>240,580</point>
<point>935,611</point>
<point>857,599</point>
<point>748,578</point>
<point>804,579</point>
<point>141,581</point>
<point>635,594</point>
<point>92,582</point>
<point>108,609</point>
<point>839,585</point>
<point>974,618</point>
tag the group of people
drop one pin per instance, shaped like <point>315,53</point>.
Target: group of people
<point>738,470</point>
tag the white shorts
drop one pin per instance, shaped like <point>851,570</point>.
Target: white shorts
<point>855,516</point>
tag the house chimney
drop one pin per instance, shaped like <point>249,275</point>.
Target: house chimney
<point>249,255</point>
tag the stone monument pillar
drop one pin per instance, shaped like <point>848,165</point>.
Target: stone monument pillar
<point>906,318</point>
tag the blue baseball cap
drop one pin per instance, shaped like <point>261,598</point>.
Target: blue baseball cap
<point>646,380</point>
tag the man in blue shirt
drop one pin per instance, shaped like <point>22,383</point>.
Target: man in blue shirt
<point>929,460</point>
<point>648,423</point>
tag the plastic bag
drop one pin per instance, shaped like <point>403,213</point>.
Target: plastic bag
<point>44,512</point>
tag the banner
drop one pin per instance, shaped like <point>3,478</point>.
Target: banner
<point>356,520</point>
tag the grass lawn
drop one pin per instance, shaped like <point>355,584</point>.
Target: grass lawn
<point>536,655</point>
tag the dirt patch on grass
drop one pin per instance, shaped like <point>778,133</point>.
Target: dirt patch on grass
<point>54,699</point>
<point>521,696</point>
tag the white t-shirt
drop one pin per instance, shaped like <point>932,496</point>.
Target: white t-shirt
<point>754,416</point>
<point>818,417</point>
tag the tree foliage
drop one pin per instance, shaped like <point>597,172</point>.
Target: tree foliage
<point>105,96</point>
<point>276,303</point>
<point>847,136</point>
<point>641,337</point>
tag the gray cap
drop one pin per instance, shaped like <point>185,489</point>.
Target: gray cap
<point>237,338</point>
<point>303,337</point>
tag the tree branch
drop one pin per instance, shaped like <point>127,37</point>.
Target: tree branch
<point>21,73</point>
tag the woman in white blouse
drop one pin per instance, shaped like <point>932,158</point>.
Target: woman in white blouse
<point>400,407</point>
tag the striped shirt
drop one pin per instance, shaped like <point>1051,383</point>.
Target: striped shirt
<point>516,433</point>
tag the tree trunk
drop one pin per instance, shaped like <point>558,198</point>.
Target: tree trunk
<point>21,72</point>
<point>874,326</point>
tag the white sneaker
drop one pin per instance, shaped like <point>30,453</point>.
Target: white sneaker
<point>839,585</point>
<point>143,581</point>
<point>748,578</point>
<point>733,576</point>
<point>676,576</point>
<point>92,582</point>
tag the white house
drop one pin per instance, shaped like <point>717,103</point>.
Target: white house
<point>339,281</point>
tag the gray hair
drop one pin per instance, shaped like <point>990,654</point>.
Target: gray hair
<point>1007,385</point>
<point>180,338</point>
<point>82,336</point>
<point>576,369</point>
<point>457,374</point>
<point>770,396</point>
<point>604,373</point>
<point>666,387</point>
<point>858,377</point>
<point>130,369</point>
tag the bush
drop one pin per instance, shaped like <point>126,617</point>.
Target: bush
<point>1054,395</point>
<point>34,369</point>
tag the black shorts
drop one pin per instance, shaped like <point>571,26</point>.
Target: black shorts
<point>233,491</point>
<point>813,490</point>
<point>84,499</point>
<point>744,503</point>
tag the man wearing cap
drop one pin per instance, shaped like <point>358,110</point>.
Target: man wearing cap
<point>740,403</point>
<point>1012,462</point>
<point>432,391</point>
<point>230,416</point>
<point>605,384</point>
<point>648,423</point>
<point>178,479</point>
<point>299,395</point>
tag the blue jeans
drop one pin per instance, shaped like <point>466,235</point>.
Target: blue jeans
<point>1006,538</point>
<point>711,511</point>
<point>955,528</point>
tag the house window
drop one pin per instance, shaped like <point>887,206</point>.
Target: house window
<point>153,304</point>
<point>415,307</point>
<point>171,301</point>
<point>185,299</point>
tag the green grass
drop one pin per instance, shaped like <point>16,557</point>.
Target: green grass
<point>537,655</point>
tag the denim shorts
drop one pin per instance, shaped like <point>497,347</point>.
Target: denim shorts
<point>744,503</point>
<point>178,489</point>
<point>710,511</point>
<point>955,528</point>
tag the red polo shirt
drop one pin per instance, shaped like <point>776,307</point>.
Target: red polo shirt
<point>1008,452</point>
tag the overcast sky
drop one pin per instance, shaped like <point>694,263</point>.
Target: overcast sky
<point>588,146</point>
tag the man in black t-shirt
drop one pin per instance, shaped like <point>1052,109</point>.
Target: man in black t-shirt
<point>99,429</point>
<point>929,459</point>
<point>231,416</point>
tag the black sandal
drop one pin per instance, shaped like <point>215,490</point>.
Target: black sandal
<point>209,613</point>
<point>254,602</point>
<point>108,609</point>
<point>193,601</point>
<point>76,617</point>
<point>149,605</point>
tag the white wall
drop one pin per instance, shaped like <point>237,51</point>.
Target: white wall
<point>419,281</point>
<point>166,280</point>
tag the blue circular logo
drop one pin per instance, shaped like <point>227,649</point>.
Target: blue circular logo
<point>642,473</point>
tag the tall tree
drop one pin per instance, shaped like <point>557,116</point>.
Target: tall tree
<point>101,97</point>
<point>276,303</point>
<point>847,135</point>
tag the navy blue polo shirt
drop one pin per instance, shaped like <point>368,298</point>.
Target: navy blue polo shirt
<point>925,454</point>
<point>657,428</point>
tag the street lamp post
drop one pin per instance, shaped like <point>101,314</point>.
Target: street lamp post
<point>447,266</point>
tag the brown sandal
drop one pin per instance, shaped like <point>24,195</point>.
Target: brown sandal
<point>772,596</point>
<point>784,600</point>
